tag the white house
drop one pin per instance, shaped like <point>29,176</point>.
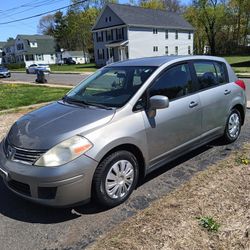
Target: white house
<point>124,31</point>
<point>1,50</point>
<point>30,49</point>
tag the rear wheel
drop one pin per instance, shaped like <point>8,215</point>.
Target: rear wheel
<point>233,126</point>
<point>115,178</point>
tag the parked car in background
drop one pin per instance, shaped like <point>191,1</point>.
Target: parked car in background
<point>120,124</point>
<point>33,68</point>
<point>69,61</point>
<point>4,72</point>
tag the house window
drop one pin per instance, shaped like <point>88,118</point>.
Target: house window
<point>100,54</point>
<point>39,57</point>
<point>155,48</point>
<point>52,57</point>
<point>110,19</point>
<point>166,50</point>
<point>155,31</point>
<point>106,19</point>
<point>176,50</point>
<point>166,34</point>
<point>189,50</point>
<point>189,35</point>
<point>120,34</point>
<point>176,34</point>
<point>99,36</point>
<point>109,35</point>
<point>29,57</point>
<point>33,44</point>
<point>19,46</point>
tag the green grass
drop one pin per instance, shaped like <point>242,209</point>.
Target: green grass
<point>17,95</point>
<point>90,67</point>
<point>240,64</point>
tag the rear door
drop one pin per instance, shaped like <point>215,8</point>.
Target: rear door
<point>179,125</point>
<point>215,95</point>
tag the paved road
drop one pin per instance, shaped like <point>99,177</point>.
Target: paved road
<point>64,79</point>
<point>24,225</point>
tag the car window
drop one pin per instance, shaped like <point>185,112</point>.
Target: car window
<point>173,83</point>
<point>210,73</point>
<point>111,86</point>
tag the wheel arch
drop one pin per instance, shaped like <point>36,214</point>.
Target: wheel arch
<point>240,108</point>
<point>135,151</point>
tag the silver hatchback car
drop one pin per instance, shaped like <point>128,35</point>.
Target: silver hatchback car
<point>121,123</point>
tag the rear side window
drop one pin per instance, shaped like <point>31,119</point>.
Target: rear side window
<point>175,82</point>
<point>210,73</point>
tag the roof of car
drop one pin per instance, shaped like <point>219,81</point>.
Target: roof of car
<point>160,60</point>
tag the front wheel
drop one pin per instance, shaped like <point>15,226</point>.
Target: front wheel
<point>115,178</point>
<point>233,127</point>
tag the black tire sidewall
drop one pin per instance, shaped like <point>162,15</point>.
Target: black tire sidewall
<point>227,136</point>
<point>100,175</point>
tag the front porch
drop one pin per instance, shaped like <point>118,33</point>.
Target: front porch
<point>117,51</point>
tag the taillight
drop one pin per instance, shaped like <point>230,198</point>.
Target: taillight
<point>241,84</point>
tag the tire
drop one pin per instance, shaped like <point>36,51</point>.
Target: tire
<point>233,126</point>
<point>27,71</point>
<point>115,179</point>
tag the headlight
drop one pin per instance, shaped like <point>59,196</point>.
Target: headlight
<point>64,152</point>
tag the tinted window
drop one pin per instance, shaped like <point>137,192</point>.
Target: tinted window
<point>210,73</point>
<point>173,83</point>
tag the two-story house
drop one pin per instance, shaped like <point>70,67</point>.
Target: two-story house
<point>124,31</point>
<point>1,51</point>
<point>35,49</point>
<point>30,49</point>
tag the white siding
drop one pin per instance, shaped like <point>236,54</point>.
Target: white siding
<point>142,41</point>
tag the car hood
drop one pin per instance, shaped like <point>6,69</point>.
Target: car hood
<point>44,128</point>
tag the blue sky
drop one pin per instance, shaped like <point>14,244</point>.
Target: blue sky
<point>14,9</point>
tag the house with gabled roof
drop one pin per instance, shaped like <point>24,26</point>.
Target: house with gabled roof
<point>124,32</point>
<point>30,49</point>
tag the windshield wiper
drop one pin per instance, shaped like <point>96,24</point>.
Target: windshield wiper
<point>84,103</point>
<point>98,105</point>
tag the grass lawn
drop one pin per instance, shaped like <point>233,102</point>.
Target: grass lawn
<point>240,64</point>
<point>90,67</point>
<point>17,95</point>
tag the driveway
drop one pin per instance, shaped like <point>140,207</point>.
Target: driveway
<point>24,225</point>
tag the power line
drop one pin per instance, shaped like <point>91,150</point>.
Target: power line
<point>36,6</point>
<point>44,13</point>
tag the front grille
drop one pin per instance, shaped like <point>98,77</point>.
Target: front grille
<point>24,155</point>
<point>19,187</point>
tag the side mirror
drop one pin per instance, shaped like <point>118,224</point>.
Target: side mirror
<point>157,102</point>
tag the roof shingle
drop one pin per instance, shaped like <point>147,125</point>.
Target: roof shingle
<point>144,17</point>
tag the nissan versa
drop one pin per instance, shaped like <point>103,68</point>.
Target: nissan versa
<point>121,123</point>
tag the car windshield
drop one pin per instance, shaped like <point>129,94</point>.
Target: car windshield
<point>110,86</point>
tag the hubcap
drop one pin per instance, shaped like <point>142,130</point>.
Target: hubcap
<point>234,125</point>
<point>119,179</point>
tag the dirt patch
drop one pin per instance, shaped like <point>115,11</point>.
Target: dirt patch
<point>221,192</point>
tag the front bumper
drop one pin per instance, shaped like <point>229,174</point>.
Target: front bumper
<point>5,74</point>
<point>59,186</point>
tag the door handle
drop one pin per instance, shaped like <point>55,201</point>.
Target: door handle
<point>227,92</point>
<point>193,104</point>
